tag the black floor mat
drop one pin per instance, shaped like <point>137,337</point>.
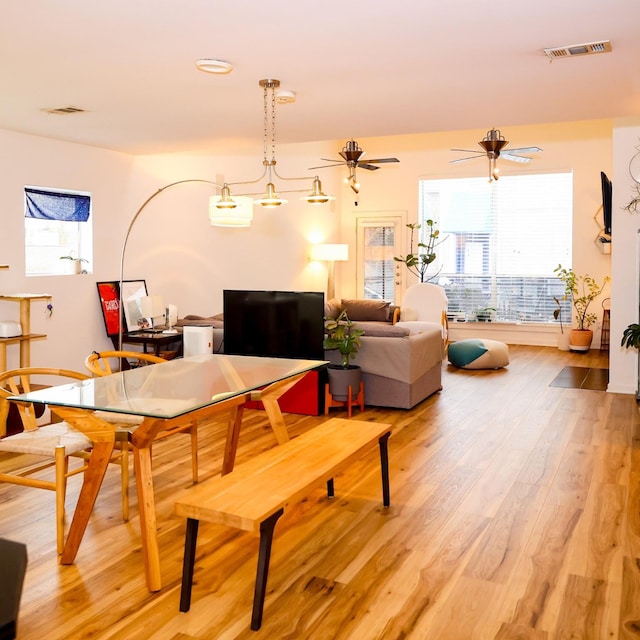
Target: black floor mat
<point>582,378</point>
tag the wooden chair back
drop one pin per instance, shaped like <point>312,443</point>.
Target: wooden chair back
<point>99,362</point>
<point>16,381</point>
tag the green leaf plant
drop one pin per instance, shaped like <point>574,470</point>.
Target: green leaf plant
<point>424,254</point>
<point>582,291</point>
<point>341,334</point>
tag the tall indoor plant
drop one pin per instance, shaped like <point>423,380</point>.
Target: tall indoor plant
<point>582,291</point>
<point>342,334</point>
<point>419,259</point>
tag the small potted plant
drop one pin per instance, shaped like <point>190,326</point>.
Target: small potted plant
<point>486,314</point>
<point>631,337</point>
<point>341,334</point>
<point>582,291</point>
<point>74,264</point>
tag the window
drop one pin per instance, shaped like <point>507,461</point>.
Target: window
<point>502,242</point>
<point>57,223</point>
<point>376,246</point>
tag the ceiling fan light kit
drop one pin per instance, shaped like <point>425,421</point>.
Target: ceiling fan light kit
<point>493,145</point>
<point>352,158</point>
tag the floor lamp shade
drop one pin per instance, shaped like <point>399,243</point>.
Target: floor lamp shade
<point>330,253</point>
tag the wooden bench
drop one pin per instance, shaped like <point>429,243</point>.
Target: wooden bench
<point>254,495</point>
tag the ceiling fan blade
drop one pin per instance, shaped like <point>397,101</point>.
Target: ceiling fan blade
<point>368,167</point>
<point>383,160</point>
<point>332,160</point>
<point>480,155</point>
<point>509,156</point>
<point>522,150</point>
<point>326,166</point>
<point>465,150</point>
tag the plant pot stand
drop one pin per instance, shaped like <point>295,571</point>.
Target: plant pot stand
<point>357,399</point>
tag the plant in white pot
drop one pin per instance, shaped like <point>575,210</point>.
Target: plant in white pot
<point>72,263</point>
<point>582,291</point>
<point>341,334</point>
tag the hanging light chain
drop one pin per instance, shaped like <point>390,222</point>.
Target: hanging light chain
<point>273,124</point>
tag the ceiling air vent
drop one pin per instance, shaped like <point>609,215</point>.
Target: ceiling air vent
<point>61,111</point>
<point>604,46</point>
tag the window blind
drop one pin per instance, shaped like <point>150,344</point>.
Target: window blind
<point>502,242</point>
<point>53,205</point>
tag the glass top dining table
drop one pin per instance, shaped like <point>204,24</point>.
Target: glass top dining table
<point>164,394</point>
<point>173,388</point>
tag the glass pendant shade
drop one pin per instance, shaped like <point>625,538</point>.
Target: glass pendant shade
<point>317,196</point>
<point>271,198</point>
<point>240,215</point>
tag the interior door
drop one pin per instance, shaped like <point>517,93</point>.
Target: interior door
<point>379,239</point>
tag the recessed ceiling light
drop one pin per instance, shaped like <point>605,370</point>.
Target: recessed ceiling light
<point>209,65</point>
<point>285,96</point>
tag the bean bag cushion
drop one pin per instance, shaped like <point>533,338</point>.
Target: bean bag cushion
<point>478,353</point>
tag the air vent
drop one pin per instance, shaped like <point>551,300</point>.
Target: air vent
<point>604,46</point>
<point>62,111</point>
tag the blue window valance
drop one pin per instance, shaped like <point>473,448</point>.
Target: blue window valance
<point>52,205</point>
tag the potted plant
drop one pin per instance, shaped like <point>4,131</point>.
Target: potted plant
<point>582,291</point>
<point>341,334</point>
<point>74,265</point>
<point>418,261</point>
<point>486,314</point>
<point>631,337</point>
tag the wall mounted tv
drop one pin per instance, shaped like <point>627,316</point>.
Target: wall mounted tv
<point>607,189</point>
<point>286,324</point>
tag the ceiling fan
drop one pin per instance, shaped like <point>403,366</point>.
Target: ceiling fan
<point>493,145</point>
<point>352,158</point>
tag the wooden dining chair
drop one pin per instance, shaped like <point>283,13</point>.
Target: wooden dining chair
<point>104,363</point>
<point>41,446</point>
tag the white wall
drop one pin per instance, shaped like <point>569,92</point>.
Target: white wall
<point>623,368</point>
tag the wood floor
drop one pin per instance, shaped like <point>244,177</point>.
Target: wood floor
<point>514,514</point>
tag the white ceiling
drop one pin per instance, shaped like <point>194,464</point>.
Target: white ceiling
<point>360,68</point>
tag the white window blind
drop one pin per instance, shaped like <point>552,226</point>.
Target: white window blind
<point>503,241</point>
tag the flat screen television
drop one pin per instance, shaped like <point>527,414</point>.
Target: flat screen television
<point>607,190</point>
<point>286,324</point>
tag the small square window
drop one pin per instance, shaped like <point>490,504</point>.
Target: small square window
<point>58,232</point>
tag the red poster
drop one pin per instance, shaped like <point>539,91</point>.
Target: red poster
<point>109,301</point>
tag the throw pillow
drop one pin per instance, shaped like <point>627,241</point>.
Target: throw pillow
<point>332,308</point>
<point>374,310</point>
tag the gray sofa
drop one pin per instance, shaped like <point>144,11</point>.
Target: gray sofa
<point>399,368</point>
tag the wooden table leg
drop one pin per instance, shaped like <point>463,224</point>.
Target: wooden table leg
<point>269,397</point>
<point>147,510</point>
<point>233,435</point>
<point>93,477</point>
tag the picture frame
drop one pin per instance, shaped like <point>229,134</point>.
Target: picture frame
<point>109,294</point>
<point>132,292</point>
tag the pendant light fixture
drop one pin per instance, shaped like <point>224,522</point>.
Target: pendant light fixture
<point>270,198</point>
